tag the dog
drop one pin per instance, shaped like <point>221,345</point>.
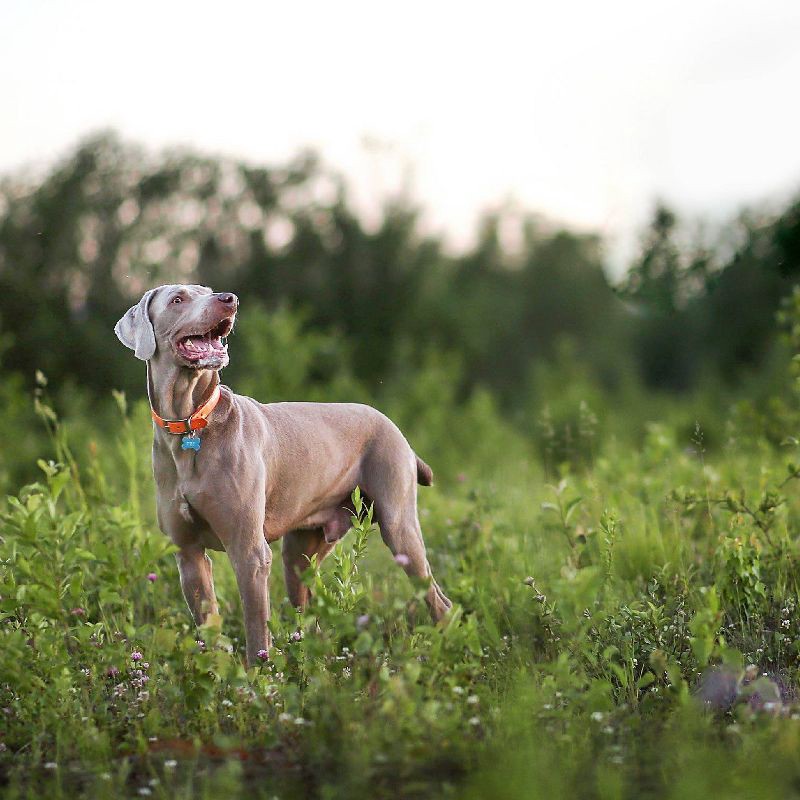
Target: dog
<point>234,474</point>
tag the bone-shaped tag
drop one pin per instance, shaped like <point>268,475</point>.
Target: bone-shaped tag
<point>190,442</point>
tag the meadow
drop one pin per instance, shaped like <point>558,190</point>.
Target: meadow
<point>615,512</point>
<point>625,622</point>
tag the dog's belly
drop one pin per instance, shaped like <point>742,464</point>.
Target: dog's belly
<point>334,521</point>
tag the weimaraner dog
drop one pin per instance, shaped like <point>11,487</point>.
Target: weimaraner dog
<point>245,474</point>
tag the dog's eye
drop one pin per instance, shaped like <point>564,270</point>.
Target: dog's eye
<point>177,299</point>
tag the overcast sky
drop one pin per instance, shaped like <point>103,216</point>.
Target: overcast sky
<point>584,111</point>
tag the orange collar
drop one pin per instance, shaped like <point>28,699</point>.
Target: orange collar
<point>196,421</point>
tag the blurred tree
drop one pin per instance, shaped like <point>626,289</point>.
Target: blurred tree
<point>82,242</point>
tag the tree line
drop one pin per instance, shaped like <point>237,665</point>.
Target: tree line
<point>80,242</point>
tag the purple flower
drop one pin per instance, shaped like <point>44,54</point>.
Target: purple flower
<point>362,621</point>
<point>78,612</point>
<point>112,672</point>
<point>136,656</point>
<point>296,636</point>
<point>152,577</point>
<point>402,559</point>
<point>262,654</point>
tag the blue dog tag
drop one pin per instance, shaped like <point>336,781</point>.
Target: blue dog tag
<point>190,441</point>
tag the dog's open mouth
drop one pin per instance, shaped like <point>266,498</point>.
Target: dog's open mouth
<point>206,347</point>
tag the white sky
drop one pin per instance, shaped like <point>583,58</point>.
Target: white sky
<point>585,111</point>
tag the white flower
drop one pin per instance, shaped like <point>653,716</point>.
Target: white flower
<point>474,720</point>
<point>597,716</point>
<point>170,763</point>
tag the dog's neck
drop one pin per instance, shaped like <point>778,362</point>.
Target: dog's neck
<point>175,391</point>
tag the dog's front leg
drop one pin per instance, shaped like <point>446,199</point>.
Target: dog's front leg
<point>197,583</point>
<point>251,564</point>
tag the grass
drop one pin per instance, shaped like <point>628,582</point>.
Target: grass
<point>604,623</point>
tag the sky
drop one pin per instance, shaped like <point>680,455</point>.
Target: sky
<point>585,112</point>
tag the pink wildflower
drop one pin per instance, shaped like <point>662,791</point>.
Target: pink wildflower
<point>152,577</point>
<point>136,656</point>
<point>262,654</point>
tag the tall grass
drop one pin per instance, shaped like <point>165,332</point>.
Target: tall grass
<point>625,626</point>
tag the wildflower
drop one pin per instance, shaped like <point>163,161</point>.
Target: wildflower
<point>112,672</point>
<point>227,703</point>
<point>152,577</point>
<point>402,559</point>
<point>78,612</point>
<point>597,716</point>
<point>201,644</point>
<point>473,700</point>
<point>474,720</point>
<point>458,690</point>
<point>136,656</point>
<point>262,654</point>
<point>3,747</point>
<point>362,621</point>
<point>296,636</point>
<point>170,763</point>
<point>51,765</point>
<point>299,721</point>
<point>285,717</point>
<point>145,791</point>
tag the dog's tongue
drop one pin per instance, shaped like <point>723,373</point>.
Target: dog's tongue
<point>202,346</point>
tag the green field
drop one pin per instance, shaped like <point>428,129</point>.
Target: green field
<point>596,606</point>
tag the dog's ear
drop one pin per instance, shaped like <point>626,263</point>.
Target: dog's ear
<point>135,330</point>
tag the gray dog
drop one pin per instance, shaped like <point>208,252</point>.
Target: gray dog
<point>244,474</point>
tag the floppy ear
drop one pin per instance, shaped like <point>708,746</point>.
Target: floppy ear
<point>135,330</point>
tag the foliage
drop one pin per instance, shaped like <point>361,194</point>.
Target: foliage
<point>623,562</point>
<point>80,243</point>
<point>607,628</point>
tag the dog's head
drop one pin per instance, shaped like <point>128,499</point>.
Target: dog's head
<point>186,322</point>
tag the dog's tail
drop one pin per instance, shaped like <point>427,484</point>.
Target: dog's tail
<point>424,473</point>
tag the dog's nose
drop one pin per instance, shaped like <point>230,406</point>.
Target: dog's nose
<point>228,298</point>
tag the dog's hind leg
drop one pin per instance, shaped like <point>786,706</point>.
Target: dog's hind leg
<point>298,547</point>
<point>404,539</point>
